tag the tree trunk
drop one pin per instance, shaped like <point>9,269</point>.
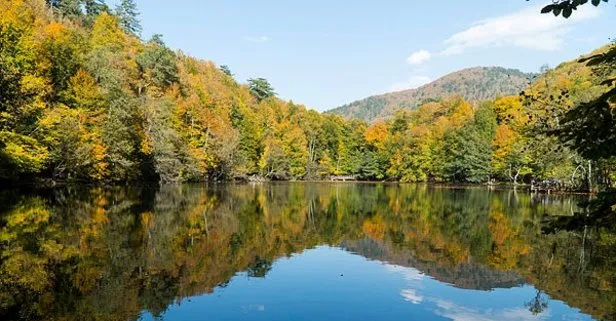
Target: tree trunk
<point>589,175</point>
<point>514,178</point>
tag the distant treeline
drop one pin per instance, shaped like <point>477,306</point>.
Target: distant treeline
<point>83,98</point>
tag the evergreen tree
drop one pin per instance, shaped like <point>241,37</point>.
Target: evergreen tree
<point>67,8</point>
<point>469,150</point>
<point>261,88</point>
<point>95,7</point>
<point>128,13</point>
<point>225,69</point>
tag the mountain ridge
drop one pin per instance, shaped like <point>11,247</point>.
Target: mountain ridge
<point>473,84</point>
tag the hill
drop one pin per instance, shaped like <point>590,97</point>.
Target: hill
<point>468,275</point>
<point>473,84</point>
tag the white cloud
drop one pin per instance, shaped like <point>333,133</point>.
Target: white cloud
<point>419,57</point>
<point>255,307</point>
<point>455,312</point>
<point>261,39</point>
<point>411,295</point>
<point>525,29</point>
<point>410,274</point>
<point>412,82</point>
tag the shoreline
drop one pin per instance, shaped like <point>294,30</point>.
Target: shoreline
<point>501,186</point>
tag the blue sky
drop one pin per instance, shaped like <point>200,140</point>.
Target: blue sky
<point>324,53</point>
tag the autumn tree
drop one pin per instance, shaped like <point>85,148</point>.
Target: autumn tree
<point>511,158</point>
<point>24,89</point>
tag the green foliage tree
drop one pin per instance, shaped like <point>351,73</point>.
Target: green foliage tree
<point>128,14</point>
<point>95,7</point>
<point>469,151</point>
<point>261,88</point>
<point>120,137</point>
<point>167,157</point>
<point>226,70</point>
<point>67,8</point>
<point>157,66</point>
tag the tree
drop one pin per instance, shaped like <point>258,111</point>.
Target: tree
<point>589,127</point>
<point>261,88</point>
<point>20,155</point>
<point>373,166</point>
<point>67,8</point>
<point>127,13</point>
<point>157,66</point>
<point>166,152</point>
<point>511,157</point>
<point>120,137</point>
<point>469,150</point>
<point>106,59</point>
<point>274,163</point>
<point>226,70</point>
<point>75,147</point>
<point>24,89</point>
<point>95,7</point>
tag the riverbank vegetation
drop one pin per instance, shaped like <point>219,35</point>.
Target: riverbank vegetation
<point>85,99</point>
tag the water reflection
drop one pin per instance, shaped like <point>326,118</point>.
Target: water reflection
<point>111,254</point>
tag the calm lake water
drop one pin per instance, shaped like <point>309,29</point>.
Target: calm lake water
<point>301,252</point>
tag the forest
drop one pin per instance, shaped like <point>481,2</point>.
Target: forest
<point>84,98</point>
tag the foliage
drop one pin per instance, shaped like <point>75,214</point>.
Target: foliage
<point>127,13</point>
<point>567,7</point>
<point>226,70</point>
<point>83,98</point>
<point>260,88</point>
<point>468,151</point>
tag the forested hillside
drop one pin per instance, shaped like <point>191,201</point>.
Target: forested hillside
<point>83,98</point>
<point>473,84</point>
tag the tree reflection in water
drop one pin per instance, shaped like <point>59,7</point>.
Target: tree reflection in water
<point>108,254</point>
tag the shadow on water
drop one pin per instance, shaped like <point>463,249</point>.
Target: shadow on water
<point>111,253</point>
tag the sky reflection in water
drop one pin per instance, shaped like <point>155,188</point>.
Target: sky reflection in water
<point>329,283</point>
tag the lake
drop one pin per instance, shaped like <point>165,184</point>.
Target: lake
<point>301,251</point>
